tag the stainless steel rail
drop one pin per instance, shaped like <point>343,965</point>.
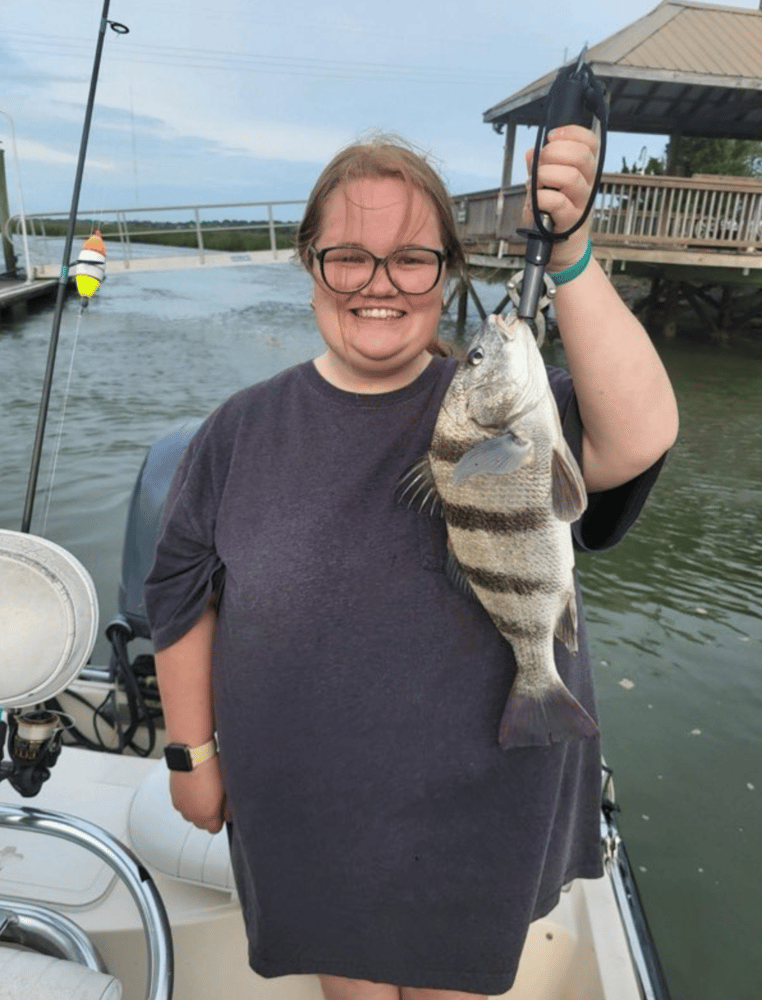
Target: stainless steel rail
<point>127,867</point>
<point>47,931</point>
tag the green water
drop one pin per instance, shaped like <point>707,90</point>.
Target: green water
<point>675,611</point>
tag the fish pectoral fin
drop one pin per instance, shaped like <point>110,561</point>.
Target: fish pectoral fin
<point>566,626</point>
<point>568,493</point>
<point>417,490</point>
<point>497,456</point>
<point>538,720</point>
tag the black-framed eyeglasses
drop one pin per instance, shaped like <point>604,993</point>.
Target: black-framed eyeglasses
<point>412,270</point>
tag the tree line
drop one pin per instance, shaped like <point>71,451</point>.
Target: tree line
<point>687,156</point>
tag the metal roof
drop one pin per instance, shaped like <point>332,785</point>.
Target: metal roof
<point>685,67</point>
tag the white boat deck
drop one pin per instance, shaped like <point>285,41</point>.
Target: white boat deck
<point>578,952</point>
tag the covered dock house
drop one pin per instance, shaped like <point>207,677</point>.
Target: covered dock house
<point>686,68</point>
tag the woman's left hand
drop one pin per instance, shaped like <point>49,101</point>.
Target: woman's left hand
<point>565,177</point>
<point>628,408</point>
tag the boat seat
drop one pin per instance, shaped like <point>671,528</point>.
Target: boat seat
<point>172,845</point>
<point>27,975</point>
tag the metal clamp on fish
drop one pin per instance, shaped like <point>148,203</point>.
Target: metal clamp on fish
<point>575,98</point>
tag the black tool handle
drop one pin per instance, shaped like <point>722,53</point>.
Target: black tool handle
<point>571,101</point>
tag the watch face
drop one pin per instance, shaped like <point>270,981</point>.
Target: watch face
<point>178,757</point>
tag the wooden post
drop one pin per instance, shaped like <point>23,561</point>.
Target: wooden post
<point>672,147</point>
<point>652,302</point>
<point>510,145</point>
<point>505,183</point>
<point>8,252</point>
<point>199,236</point>
<point>701,310</point>
<point>669,329</point>
<point>271,224</point>
<point>460,323</point>
<point>726,315</point>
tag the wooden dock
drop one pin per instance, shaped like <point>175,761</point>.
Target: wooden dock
<point>698,240</point>
<point>191,259</point>
<point>15,294</point>
<point>701,222</point>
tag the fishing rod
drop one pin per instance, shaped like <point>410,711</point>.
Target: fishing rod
<point>575,98</point>
<point>34,470</point>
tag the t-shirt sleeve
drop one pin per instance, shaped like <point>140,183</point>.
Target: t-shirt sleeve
<point>610,513</point>
<point>187,569</point>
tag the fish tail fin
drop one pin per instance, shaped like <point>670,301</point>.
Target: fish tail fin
<point>554,715</point>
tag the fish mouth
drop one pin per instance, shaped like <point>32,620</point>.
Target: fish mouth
<point>506,329</point>
<point>377,312</point>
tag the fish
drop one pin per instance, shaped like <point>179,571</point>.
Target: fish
<point>500,472</point>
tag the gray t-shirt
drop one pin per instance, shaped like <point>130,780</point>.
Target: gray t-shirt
<point>379,832</point>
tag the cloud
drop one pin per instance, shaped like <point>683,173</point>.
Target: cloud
<point>262,139</point>
<point>37,152</point>
<point>205,103</point>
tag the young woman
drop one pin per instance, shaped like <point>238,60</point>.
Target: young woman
<point>380,837</point>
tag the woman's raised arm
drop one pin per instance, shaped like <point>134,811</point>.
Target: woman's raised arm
<point>625,398</point>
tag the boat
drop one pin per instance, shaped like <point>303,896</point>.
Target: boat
<point>105,891</point>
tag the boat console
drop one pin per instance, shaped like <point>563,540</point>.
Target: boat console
<point>49,622</point>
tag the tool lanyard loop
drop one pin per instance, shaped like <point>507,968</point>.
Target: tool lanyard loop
<point>575,98</point>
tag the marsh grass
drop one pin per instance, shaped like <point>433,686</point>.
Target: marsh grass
<point>231,236</point>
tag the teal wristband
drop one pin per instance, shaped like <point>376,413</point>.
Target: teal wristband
<point>569,273</point>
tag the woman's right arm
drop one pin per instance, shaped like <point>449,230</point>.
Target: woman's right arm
<point>184,674</point>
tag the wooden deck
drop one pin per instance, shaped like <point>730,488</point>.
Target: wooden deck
<point>14,295</point>
<point>708,224</point>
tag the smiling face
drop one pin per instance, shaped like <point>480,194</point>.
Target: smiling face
<point>376,338</point>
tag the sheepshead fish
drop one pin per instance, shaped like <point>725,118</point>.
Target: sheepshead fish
<point>500,472</point>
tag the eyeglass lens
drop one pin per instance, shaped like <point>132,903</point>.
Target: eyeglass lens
<point>410,269</point>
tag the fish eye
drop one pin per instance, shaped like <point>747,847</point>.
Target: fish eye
<point>475,357</point>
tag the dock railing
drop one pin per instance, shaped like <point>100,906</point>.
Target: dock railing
<point>704,211</point>
<point>195,228</point>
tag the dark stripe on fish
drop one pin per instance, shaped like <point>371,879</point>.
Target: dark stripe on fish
<point>499,523</point>
<point>447,450</point>
<point>512,630</point>
<point>501,583</point>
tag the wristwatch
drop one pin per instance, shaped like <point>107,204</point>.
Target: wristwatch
<point>181,757</point>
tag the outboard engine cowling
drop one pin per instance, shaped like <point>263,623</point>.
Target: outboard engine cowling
<point>144,520</point>
<point>137,677</point>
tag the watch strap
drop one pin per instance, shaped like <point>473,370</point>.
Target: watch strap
<point>205,752</point>
<point>181,757</point>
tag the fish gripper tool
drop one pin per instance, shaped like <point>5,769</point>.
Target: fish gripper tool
<point>575,98</point>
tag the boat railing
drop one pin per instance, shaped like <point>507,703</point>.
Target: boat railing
<point>129,869</point>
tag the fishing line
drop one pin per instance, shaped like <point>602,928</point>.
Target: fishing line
<point>59,434</point>
<point>134,149</point>
<point>83,302</point>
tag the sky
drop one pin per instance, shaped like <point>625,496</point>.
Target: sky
<point>229,100</point>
